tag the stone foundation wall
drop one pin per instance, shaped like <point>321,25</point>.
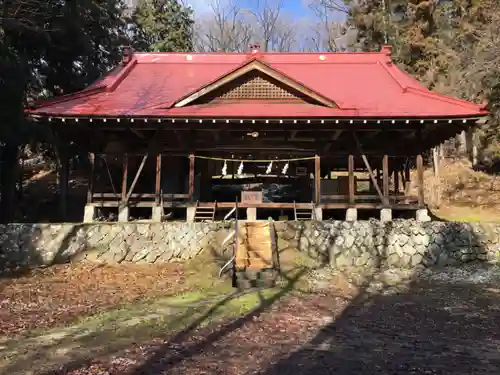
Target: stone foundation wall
<point>395,244</point>
<point>27,245</point>
<point>399,243</point>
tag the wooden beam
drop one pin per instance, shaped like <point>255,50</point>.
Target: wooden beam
<point>103,157</point>
<point>191,177</point>
<point>124,178</point>
<point>385,176</point>
<point>352,182</point>
<point>420,177</point>
<point>90,187</point>
<point>138,133</point>
<point>334,137</point>
<point>383,199</point>
<point>317,179</point>
<point>136,178</point>
<point>158,179</point>
<point>406,178</point>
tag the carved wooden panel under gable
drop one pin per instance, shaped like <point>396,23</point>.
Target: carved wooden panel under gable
<point>255,85</point>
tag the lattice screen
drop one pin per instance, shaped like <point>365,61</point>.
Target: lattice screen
<point>257,88</point>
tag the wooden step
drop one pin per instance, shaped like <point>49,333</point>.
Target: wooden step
<point>205,213</point>
<point>303,213</point>
<point>254,250</point>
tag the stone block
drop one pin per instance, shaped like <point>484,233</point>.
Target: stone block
<point>252,213</point>
<point>422,215</point>
<point>157,214</point>
<point>385,215</point>
<point>123,214</point>
<point>190,214</point>
<point>318,212</point>
<point>89,213</point>
<point>351,214</point>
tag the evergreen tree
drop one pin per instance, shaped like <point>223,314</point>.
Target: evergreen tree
<point>84,42</point>
<point>162,26</point>
<point>449,45</point>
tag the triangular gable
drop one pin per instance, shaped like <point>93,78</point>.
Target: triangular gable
<point>254,80</point>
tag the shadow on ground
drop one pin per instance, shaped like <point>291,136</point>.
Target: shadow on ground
<point>431,328</point>
<point>425,325</point>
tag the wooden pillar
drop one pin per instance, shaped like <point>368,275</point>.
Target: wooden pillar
<point>352,182</point>
<point>63,177</point>
<point>191,177</point>
<point>395,175</point>
<point>124,178</point>
<point>407,179</point>
<point>90,186</point>
<point>317,179</point>
<point>385,176</point>
<point>420,178</point>
<point>158,180</point>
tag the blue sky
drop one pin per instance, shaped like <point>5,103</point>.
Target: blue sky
<point>296,8</point>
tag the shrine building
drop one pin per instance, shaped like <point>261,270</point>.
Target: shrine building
<point>188,136</point>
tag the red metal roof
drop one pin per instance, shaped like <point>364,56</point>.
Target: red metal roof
<point>361,84</point>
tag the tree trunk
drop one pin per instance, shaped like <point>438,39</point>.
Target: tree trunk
<point>9,159</point>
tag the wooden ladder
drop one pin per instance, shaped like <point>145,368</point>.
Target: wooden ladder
<point>205,213</point>
<point>303,213</point>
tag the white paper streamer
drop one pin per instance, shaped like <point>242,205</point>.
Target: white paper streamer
<point>269,168</point>
<point>224,168</point>
<point>285,169</point>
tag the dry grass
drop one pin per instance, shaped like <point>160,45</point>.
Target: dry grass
<point>62,294</point>
<point>464,194</point>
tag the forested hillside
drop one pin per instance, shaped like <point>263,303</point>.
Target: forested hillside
<point>51,47</point>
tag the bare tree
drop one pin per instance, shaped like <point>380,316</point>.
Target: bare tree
<point>265,16</point>
<point>225,29</point>
<point>329,34</point>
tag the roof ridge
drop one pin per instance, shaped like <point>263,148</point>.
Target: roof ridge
<point>91,90</point>
<point>259,53</point>
<point>67,97</point>
<point>385,66</point>
<point>445,98</point>
<point>121,75</point>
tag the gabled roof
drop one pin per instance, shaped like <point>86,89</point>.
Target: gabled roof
<point>251,66</point>
<point>328,85</point>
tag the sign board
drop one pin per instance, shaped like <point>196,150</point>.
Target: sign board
<point>251,197</point>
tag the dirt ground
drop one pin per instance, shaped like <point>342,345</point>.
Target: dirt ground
<point>61,294</point>
<point>444,323</point>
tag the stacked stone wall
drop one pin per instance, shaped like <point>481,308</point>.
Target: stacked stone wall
<point>395,244</point>
<point>399,243</point>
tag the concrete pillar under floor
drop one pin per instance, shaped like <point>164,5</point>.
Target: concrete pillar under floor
<point>123,214</point>
<point>318,213</point>
<point>89,213</point>
<point>385,214</point>
<point>190,214</point>
<point>157,214</point>
<point>422,215</point>
<point>351,214</point>
<point>252,213</point>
